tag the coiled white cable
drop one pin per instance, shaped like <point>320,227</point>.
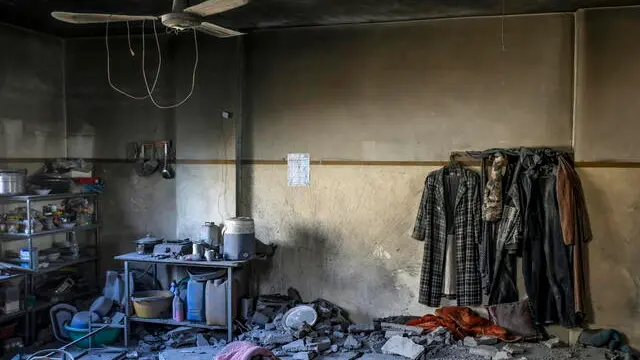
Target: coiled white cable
<point>193,76</point>
<point>155,81</point>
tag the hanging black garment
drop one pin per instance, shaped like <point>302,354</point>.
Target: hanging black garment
<point>508,236</point>
<point>546,260</point>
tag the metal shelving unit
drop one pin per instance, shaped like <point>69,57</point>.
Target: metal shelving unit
<point>54,266</point>
<point>134,257</point>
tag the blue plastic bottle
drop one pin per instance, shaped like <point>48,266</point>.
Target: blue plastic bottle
<point>195,300</point>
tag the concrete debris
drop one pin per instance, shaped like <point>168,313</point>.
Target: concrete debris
<point>339,335</point>
<point>554,342</point>
<point>305,355</point>
<point>391,333</point>
<point>151,357</point>
<point>358,328</point>
<point>144,347</point>
<point>413,330</point>
<point>351,343</point>
<point>485,351</point>
<point>151,338</point>
<point>304,331</point>
<point>270,326</point>
<point>487,340</point>
<point>513,349</point>
<point>501,355</point>
<point>201,340</point>
<point>333,348</point>
<point>440,330</point>
<point>276,338</point>
<point>180,331</point>
<point>470,342</point>
<point>320,344</point>
<point>132,355</point>
<point>259,318</point>
<point>402,346</point>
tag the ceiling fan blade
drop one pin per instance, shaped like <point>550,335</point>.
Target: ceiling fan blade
<point>88,18</point>
<point>219,31</point>
<point>211,7</point>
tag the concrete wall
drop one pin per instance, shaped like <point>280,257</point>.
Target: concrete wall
<point>417,91</point>
<point>102,122</point>
<point>398,92</point>
<point>31,95</point>
<point>606,129</point>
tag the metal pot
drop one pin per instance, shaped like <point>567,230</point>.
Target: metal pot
<point>144,246</point>
<point>12,181</point>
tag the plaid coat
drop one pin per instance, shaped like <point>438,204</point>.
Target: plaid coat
<point>431,226</point>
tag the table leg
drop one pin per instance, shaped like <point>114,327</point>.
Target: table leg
<point>229,304</point>
<point>126,304</point>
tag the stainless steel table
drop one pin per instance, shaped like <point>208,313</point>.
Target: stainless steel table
<point>134,257</point>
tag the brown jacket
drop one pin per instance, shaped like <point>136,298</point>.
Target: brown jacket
<point>574,220</point>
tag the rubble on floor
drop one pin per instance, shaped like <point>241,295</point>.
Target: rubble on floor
<point>332,336</point>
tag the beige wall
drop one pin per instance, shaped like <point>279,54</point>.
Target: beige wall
<point>390,92</point>
<point>607,128</point>
<point>417,91</point>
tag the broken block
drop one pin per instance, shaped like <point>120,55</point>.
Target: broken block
<point>554,342</point>
<point>391,333</point>
<point>357,328</point>
<point>399,345</point>
<point>414,330</point>
<point>513,349</point>
<point>351,343</point>
<point>501,355</point>
<point>469,342</point>
<point>487,340</point>
<point>276,338</point>
<point>305,355</point>
<point>484,351</point>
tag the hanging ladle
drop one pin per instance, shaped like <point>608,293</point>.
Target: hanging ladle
<point>166,172</point>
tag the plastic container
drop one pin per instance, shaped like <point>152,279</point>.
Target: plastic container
<point>104,337</point>
<point>216,301</point>
<point>177,306</point>
<point>152,304</point>
<point>239,241</point>
<point>195,300</point>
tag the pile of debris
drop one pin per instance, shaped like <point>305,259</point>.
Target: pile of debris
<point>330,335</point>
<point>332,332</point>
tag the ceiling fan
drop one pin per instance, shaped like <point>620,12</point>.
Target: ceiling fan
<point>181,17</point>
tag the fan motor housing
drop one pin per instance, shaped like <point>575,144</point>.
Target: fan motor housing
<point>180,20</point>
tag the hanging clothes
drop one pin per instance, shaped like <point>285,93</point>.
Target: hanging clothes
<point>508,239</point>
<point>546,260</point>
<point>439,214</point>
<point>492,201</point>
<point>487,246</point>
<point>576,227</point>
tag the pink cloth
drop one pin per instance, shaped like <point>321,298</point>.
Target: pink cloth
<point>242,350</point>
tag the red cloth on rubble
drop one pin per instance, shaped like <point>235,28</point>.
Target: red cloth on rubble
<point>462,321</point>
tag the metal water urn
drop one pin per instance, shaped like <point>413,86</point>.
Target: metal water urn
<point>239,241</point>
<point>210,234</point>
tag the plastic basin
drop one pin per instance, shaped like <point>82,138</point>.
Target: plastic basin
<point>104,337</point>
<point>152,304</point>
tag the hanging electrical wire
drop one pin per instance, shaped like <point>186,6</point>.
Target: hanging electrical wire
<point>129,40</point>
<point>193,76</point>
<point>502,27</point>
<point>155,81</point>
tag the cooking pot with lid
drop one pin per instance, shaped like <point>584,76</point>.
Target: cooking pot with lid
<point>12,181</point>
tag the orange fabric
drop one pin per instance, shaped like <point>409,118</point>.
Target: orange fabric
<point>462,321</point>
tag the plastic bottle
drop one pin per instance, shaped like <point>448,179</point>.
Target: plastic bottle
<point>177,306</point>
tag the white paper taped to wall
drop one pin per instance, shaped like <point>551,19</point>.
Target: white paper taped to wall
<point>298,169</point>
